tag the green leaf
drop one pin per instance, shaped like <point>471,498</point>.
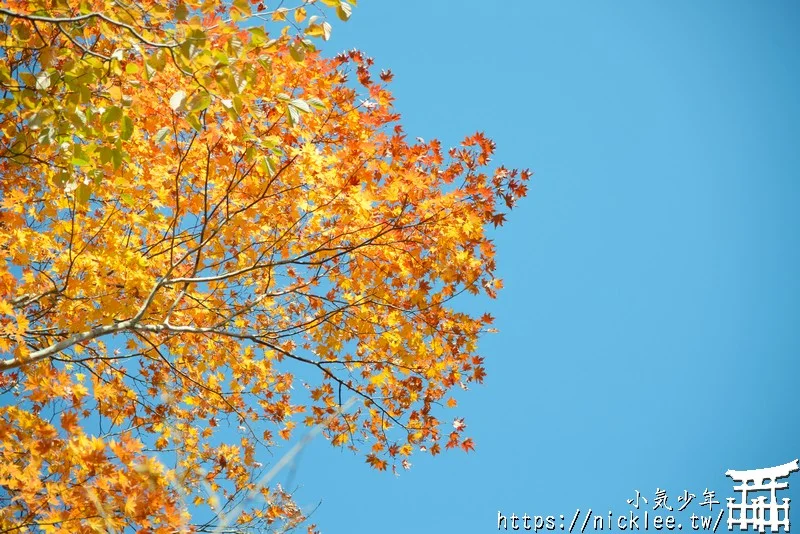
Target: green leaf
<point>192,119</point>
<point>21,31</point>
<point>83,193</point>
<point>181,12</point>
<point>79,157</point>
<point>197,37</point>
<point>27,78</point>
<point>271,141</point>
<point>46,136</point>
<point>257,36</point>
<point>176,101</point>
<point>116,158</point>
<point>77,118</point>
<point>236,83</point>
<point>316,102</point>
<point>189,50</point>
<point>112,115</point>
<point>43,81</point>
<point>267,165</point>
<point>157,60</point>
<point>61,178</point>
<point>220,57</point>
<point>300,104</point>
<point>243,6</point>
<point>292,115</point>
<point>199,102</point>
<point>41,118</point>
<point>157,10</point>
<point>162,134</point>
<point>297,51</point>
<point>85,94</point>
<point>127,128</point>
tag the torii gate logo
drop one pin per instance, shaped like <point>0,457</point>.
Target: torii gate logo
<point>758,513</point>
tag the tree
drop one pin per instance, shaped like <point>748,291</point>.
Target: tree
<point>191,213</point>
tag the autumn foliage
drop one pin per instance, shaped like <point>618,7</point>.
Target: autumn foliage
<point>194,204</point>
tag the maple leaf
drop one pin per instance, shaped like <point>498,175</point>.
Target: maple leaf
<point>376,462</point>
<point>218,217</point>
<point>69,422</point>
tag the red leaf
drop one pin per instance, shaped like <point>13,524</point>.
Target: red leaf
<point>376,462</point>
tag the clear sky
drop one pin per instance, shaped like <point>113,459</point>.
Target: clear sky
<point>649,327</point>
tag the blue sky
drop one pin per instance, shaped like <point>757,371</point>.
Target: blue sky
<point>649,326</point>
